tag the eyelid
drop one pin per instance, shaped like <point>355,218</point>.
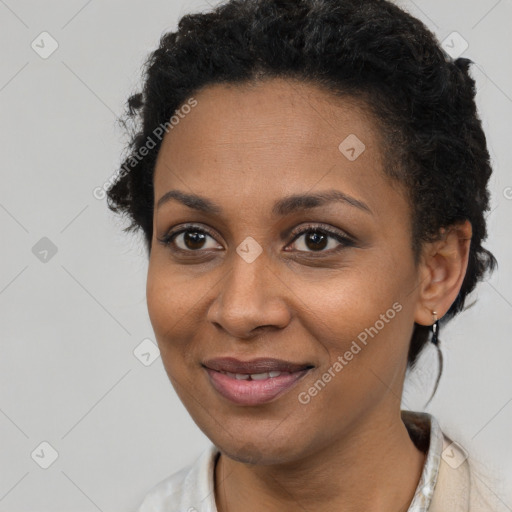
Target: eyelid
<point>169,236</point>
<point>314,226</point>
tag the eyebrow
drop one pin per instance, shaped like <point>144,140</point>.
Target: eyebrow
<point>282,207</point>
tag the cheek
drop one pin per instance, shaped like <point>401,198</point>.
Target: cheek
<point>363,333</point>
<point>170,307</point>
<point>345,305</point>
<point>362,317</point>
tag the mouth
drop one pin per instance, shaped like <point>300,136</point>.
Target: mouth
<point>254,382</point>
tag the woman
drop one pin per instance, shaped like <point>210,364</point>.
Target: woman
<point>311,181</point>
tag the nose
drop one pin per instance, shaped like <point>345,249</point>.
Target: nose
<point>252,297</point>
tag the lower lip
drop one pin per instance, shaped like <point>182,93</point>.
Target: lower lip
<point>253,392</point>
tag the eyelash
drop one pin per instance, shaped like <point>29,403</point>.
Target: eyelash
<point>345,241</point>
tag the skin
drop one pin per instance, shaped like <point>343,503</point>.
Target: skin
<point>245,147</point>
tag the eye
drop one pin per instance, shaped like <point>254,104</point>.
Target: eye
<point>316,239</point>
<point>190,237</point>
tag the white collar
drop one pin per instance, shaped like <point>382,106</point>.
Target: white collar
<point>426,485</point>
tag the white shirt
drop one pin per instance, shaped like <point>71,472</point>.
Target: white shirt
<point>192,488</point>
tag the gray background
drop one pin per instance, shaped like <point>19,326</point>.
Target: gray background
<point>70,323</point>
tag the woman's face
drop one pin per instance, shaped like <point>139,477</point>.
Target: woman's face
<point>242,292</point>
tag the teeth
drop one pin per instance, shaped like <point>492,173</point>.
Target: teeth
<point>259,376</point>
<point>254,376</point>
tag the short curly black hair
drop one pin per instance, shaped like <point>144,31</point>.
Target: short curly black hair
<point>367,49</point>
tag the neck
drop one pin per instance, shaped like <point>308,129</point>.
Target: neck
<point>374,467</point>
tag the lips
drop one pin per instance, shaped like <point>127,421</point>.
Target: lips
<point>253,382</point>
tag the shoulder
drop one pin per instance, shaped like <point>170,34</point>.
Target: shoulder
<point>487,492</point>
<point>187,490</point>
<point>463,485</point>
<point>165,494</point>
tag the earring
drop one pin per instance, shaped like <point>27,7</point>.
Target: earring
<point>435,329</point>
<point>435,340</point>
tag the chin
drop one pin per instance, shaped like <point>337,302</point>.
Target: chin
<point>260,451</point>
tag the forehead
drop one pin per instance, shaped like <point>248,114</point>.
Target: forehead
<point>272,137</point>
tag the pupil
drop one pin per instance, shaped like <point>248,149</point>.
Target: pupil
<point>195,240</point>
<point>316,238</point>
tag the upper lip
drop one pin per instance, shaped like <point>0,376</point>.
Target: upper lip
<point>258,365</point>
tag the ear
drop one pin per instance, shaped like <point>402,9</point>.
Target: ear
<point>442,269</point>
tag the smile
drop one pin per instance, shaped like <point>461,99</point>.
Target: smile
<point>247,383</point>
<point>255,376</point>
